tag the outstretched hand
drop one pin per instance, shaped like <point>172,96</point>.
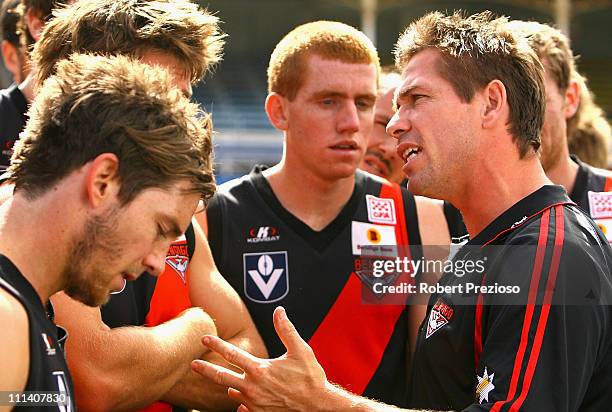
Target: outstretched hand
<point>291,382</point>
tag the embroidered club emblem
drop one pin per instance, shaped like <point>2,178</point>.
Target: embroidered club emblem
<point>266,276</point>
<point>178,257</point>
<point>485,385</point>
<point>439,316</point>
<point>380,210</point>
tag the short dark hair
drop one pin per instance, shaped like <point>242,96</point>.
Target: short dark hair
<point>474,51</point>
<point>8,21</point>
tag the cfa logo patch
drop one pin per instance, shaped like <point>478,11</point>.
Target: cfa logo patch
<point>439,316</point>
<point>600,205</point>
<point>266,276</point>
<point>485,385</point>
<point>380,210</point>
<point>178,257</point>
<point>263,234</point>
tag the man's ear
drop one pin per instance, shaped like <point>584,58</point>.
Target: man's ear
<point>11,60</point>
<point>35,23</point>
<point>571,99</point>
<point>103,179</point>
<point>276,109</point>
<point>495,103</point>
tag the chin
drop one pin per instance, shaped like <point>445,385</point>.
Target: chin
<point>89,297</point>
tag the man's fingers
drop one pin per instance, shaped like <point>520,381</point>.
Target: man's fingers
<point>287,332</point>
<point>236,395</point>
<point>242,408</point>
<point>231,353</point>
<point>218,374</point>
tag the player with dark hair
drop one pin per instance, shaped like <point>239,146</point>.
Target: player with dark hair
<point>12,52</point>
<point>92,187</point>
<point>111,349</point>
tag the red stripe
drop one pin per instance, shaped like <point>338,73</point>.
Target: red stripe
<point>548,295</point>
<point>533,287</point>
<point>349,352</point>
<point>608,185</point>
<point>478,327</point>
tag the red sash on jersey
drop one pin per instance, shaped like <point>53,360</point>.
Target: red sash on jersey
<point>351,340</point>
<point>170,298</point>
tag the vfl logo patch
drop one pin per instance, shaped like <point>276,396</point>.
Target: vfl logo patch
<point>263,234</point>
<point>485,385</point>
<point>380,210</point>
<point>600,205</point>
<point>48,344</point>
<point>178,257</point>
<point>439,316</point>
<point>266,276</point>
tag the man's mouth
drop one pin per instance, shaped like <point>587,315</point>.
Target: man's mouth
<point>410,153</point>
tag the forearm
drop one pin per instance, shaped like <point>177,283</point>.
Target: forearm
<point>193,391</point>
<point>131,367</point>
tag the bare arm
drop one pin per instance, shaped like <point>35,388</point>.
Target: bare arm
<point>127,367</point>
<point>292,382</point>
<point>210,291</point>
<point>14,345</point>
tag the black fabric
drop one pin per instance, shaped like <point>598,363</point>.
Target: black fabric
<point>588,179</point>
<point>571,364</point>
<point>13,109</point>
<point>246,219</point>
<point>48,370</point>
<point>454,221</point>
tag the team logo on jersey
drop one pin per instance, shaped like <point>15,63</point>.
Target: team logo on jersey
<point>485,385</point>
<point>439,316</point>
<point>380,210</point>
<point>178,257</point>
<point>600,205</point>
<point>63,388</point>
<point>263,234</point>
<point>373,240</point>
<point>48,344</point>
<point>266,276</point>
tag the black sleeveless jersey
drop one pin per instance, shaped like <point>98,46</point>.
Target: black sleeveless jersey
<point>593,193</point>
<point>13,109</point>
<point>48,370</point>
<point>271,258</point>
<point>532,329</point>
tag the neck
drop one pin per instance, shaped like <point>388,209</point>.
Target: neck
<point>314,200</point>
<point>564,173</point>
<point>34,236</point>
<point>497,187</point>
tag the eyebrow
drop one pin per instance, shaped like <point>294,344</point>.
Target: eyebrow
<point>331,93</point>
<point>402,94</point>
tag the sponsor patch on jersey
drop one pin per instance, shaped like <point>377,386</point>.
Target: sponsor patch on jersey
<point>439,316</point>
<point>484,386</point>
<point>266,276</point>
<point>380,210</point>
<point>600,205</point>
<point>178,257</point>
<point>48,342</point>
<point>373,240</point>
<point>263,234</point>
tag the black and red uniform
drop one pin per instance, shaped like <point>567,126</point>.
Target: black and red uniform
<point>48,371</point>
<point>151,301</point>
<point>272,258</point>
<point>13,109</point>
<point>547,347</point>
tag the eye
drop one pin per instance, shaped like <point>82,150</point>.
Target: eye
<point>327,102</point>
<point>161,232</point>
<point>364,104</point>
